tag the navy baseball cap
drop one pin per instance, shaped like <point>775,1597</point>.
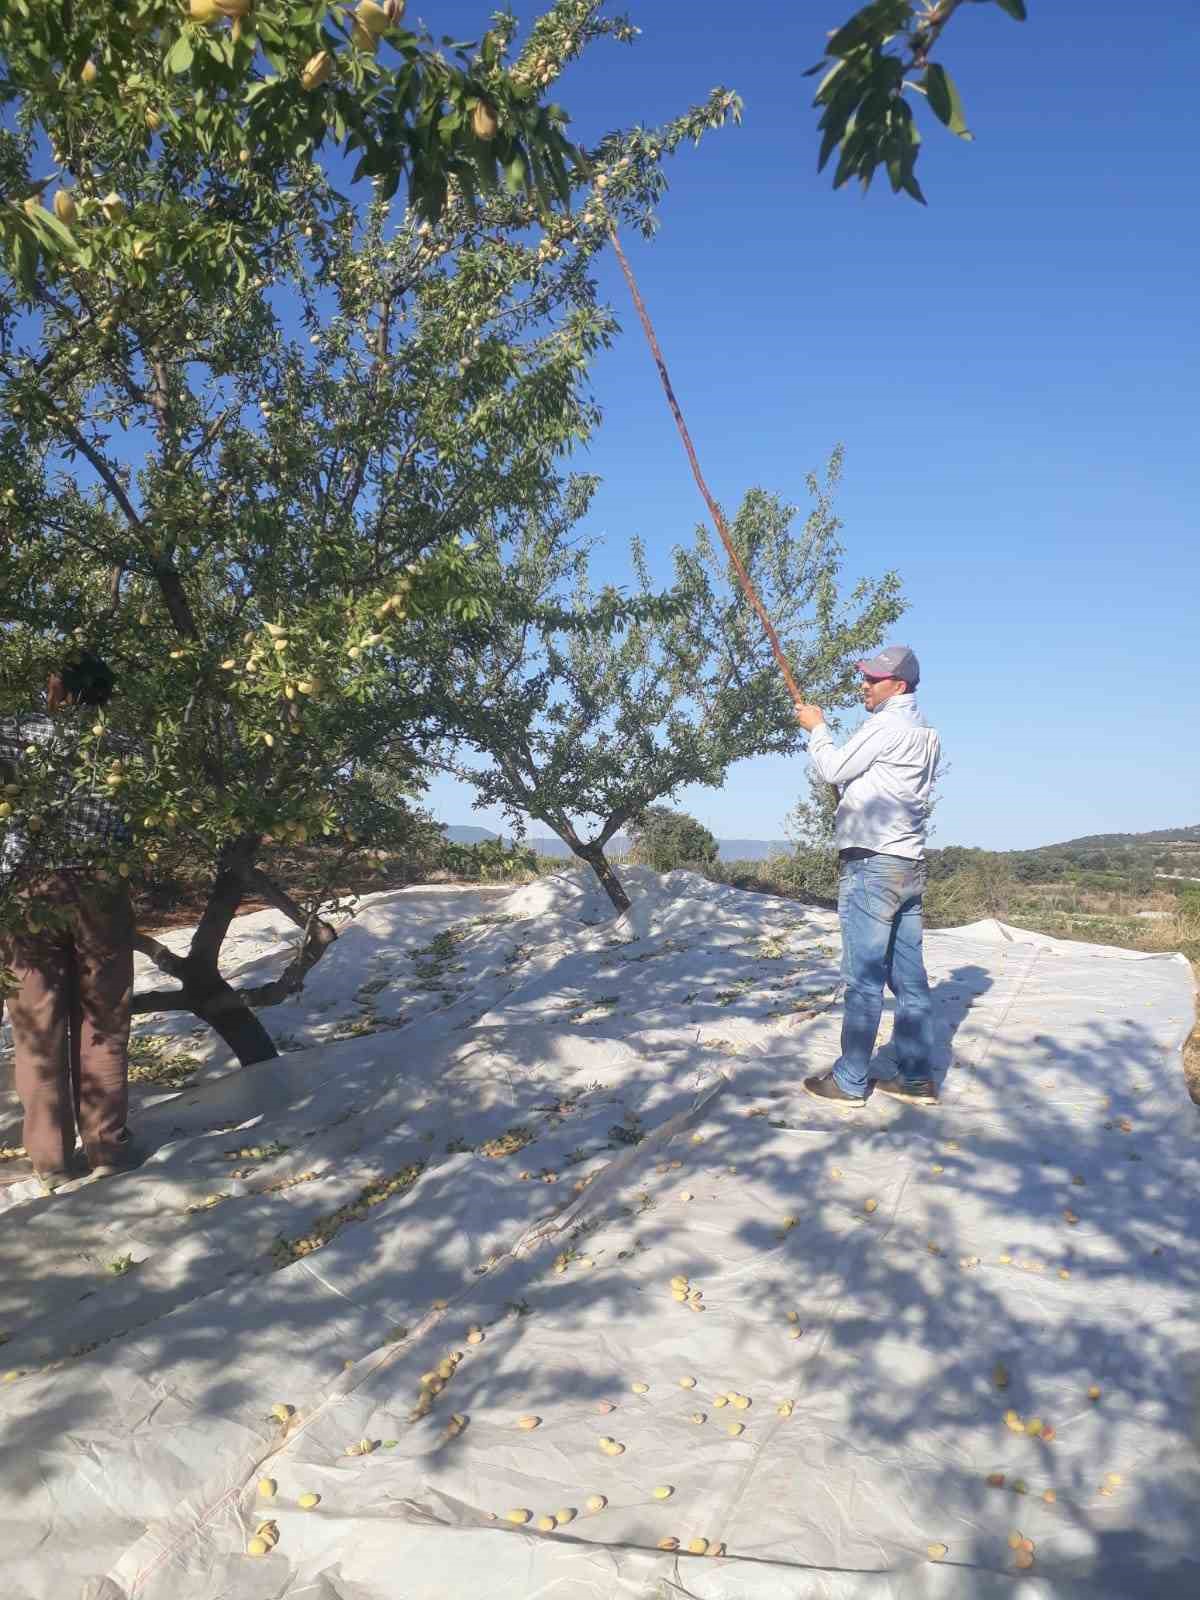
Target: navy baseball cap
<point>897,661</point>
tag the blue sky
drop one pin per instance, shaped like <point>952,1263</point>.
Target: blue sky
<point>1012,371</point>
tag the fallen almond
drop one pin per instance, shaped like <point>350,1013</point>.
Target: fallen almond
<point>733,1429</point>
<point>687,1383</point>
<point>546,1524</point>
<point>698,1416</point>
<point>257,1547</point>
<point>669,1543</point>
<point>870,1205</point>
<point>307,1501</point>
<point>1023,1559</point>
<point>640,1388</point>
<point>519,1515</point>
<point>266,1488</point>
<point>663,1491</point>
<point>564,1515</point>
<point>1050,1497</point>
<point>937,1552</point>
<point>595,1502</point>
<point>529,1423</point>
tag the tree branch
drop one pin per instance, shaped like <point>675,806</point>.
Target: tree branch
<point>167,962</point>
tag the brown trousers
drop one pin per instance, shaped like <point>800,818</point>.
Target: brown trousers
<point>70,1020</point>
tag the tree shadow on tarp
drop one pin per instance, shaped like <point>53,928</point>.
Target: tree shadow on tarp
<point>906,1310</point>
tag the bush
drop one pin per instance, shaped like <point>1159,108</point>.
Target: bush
<point>489,861</point>
<point>666,839</point>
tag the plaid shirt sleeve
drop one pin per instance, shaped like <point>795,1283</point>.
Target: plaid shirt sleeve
<point>81,822</point>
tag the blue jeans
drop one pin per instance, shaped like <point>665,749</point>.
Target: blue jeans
<point>879,906</point>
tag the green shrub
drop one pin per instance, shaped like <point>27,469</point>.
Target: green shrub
<point>666,840</point>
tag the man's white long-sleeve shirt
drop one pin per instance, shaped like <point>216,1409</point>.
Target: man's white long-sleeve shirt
<point>885,773</point>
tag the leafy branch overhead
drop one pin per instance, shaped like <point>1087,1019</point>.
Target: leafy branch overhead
<point>871,64</point>
<point>213,85</point>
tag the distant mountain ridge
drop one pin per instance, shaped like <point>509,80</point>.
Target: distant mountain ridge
<point>1115,841</point>
<point>762,849</point>
<point>727,849</point>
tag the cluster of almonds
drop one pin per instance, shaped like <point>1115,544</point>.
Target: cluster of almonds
<point>432,1384</point>
<point>694,1547</point>
<point>1022,1549</point>
<point>1033,1428</point>
<point>266,1534</point>
<point>549,1521</point>
<point>997,1480</point>
<point>683,1293</point>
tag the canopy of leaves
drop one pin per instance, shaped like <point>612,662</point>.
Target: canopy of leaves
<point>193,91</point>
<point>260,491</point>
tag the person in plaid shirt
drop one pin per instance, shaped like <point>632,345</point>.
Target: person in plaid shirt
<point>73,967</point>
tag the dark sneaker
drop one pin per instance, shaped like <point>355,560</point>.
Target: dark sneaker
<point>826,1087</point>
<point>913,1091</point>
<point>121,1157</point>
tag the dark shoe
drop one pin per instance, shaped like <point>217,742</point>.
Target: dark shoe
<point>913,1091</point>
<point>826,1087</point>
<point>121,1157</point>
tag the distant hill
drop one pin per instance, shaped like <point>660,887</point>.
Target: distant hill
<point>1124,841</point>
<point>457,833</point>
<point>728,849</point>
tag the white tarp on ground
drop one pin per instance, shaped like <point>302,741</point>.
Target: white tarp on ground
<point>1046,1218</point>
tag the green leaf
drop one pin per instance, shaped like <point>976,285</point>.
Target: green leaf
<point>870,26</point>
<point>1014,8</point>
<point>179,57</point>
<point>944,100</point>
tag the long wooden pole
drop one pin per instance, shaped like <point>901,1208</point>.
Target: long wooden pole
<point>738,566</point>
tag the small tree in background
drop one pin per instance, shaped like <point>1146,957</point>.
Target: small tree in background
<point>812,868</point>
<point>666,839</point>
<point>589,713</point>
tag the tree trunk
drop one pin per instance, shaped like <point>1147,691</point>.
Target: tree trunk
<point>220,1005</point>
<point>594,855</point>
<point>204,992</point>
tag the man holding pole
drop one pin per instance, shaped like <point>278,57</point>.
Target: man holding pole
<point>884,775</point>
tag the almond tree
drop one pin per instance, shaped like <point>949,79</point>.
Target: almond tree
<point>584,728</point>
<point>255,485</point>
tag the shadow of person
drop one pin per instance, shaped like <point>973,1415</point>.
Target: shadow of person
<point>951,999</point>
